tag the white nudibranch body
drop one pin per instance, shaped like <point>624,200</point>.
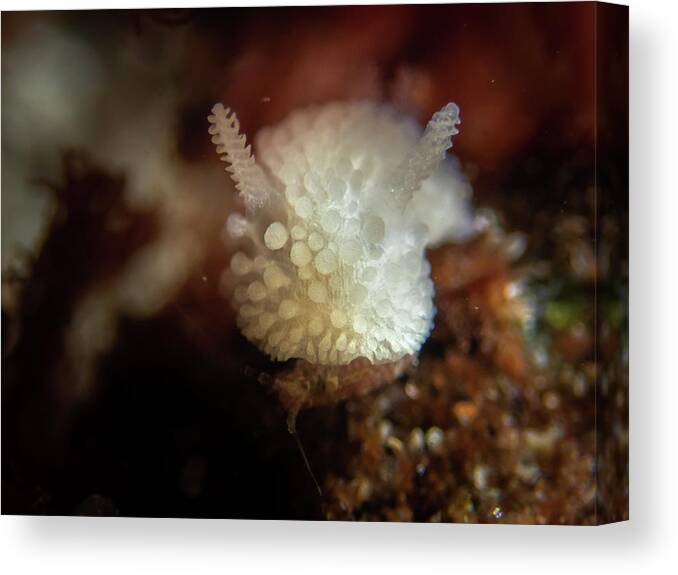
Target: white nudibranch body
<point>340,206</point>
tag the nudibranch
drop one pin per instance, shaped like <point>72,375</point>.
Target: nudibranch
<point>340,205</point>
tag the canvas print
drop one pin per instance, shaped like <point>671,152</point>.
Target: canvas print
<point>363,263</point>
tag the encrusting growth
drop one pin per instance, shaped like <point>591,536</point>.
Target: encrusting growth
<point>332,266</point>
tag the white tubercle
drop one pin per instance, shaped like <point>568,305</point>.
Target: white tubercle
<point>340,209</point>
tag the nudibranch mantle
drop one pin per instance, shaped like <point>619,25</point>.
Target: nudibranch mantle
<point>333,263</point>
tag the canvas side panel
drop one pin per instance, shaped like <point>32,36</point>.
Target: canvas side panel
<point>612,253</point>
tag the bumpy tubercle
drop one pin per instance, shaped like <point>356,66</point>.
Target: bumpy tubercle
<point>333,264</point>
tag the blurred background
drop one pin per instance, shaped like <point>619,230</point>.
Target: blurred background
<point>127,389</point>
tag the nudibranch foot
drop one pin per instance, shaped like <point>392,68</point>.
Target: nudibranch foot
<point>307,385</point>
